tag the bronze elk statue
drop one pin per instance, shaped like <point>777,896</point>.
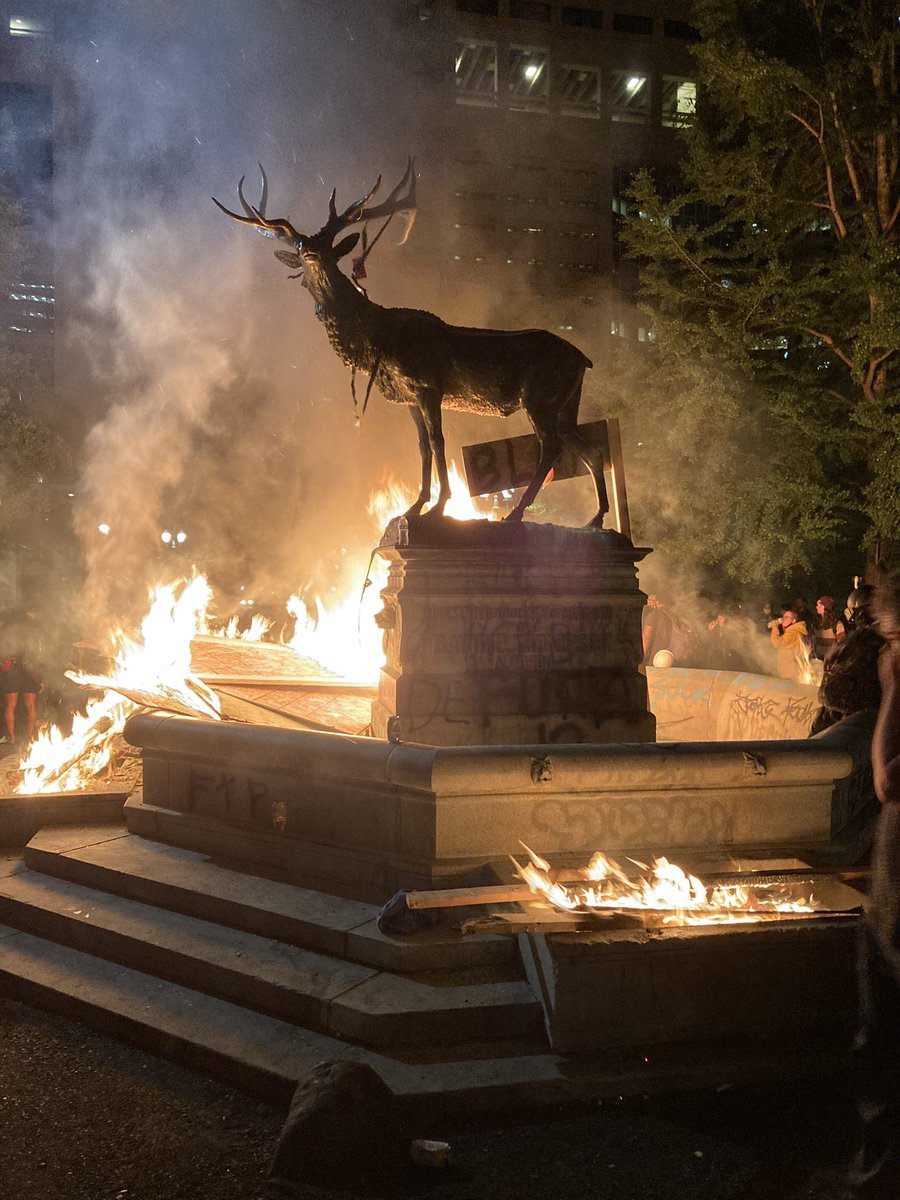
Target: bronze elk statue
<point>416,359</point>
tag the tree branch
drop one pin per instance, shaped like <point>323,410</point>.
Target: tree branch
<point>830,343</point>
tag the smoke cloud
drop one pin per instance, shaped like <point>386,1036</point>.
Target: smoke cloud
<point>216,405</point>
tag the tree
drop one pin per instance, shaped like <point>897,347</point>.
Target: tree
<point>772,277</point>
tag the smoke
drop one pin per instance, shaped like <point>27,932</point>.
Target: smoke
<point>215,404</point>
<point>214,401</point>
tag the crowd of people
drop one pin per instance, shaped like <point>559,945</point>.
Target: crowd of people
<point>792,641</point>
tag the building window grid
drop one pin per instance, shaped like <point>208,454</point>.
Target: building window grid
<point>634,24</point>
<point>529,10</point>
<point>536,84</point>
<point>630,102</point>
<point>577,16</point>
<point>582,18</point>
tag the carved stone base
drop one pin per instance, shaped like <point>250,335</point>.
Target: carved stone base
<point>511,634</point>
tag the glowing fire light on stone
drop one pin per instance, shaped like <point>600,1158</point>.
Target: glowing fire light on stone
<point>662,888</point>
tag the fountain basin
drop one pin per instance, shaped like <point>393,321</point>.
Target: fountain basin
<point>364,817</point>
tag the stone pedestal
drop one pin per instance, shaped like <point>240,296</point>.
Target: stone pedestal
<point>511,634</point>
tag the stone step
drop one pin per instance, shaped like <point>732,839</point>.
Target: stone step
<point>111,859</point>
<point>254,1052</point>
<point>266,1057</point>
<point>318,991</point>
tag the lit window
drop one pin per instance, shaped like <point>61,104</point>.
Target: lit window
<point>679,100</point>
<point>579,90</point>
<point>529,77</point>
<point>31,27</point>
<point>476,73</point>
<point>630,96</point>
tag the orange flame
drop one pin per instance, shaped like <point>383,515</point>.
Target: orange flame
<point>663,888</point>
<point>155,666</point>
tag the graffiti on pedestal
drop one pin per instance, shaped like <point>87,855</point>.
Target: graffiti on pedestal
<point>645,821</point>
<point>235,797</point>
<point>511,637</point>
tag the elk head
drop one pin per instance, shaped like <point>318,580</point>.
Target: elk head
<point>314,256</point>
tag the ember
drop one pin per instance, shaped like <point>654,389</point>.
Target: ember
<point>665,889</point>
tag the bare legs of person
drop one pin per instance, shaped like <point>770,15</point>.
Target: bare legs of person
<point>9,713</point>
<point>30,714</point>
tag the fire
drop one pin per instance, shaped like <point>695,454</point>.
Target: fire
<point>153,668</point>
<point>345,638</point>
<point>662,888</point>
<point>393,498</point>
<point>255,632</point>
<point>809,668</point>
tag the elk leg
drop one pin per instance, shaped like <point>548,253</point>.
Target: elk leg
<point>550,447</point>
<point>426,457</point>
<point>431,412</point>
<point>592,457</point>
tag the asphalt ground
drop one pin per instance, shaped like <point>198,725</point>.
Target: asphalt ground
<point>83,1117</point>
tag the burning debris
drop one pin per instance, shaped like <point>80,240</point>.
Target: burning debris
<point>153,669</point>
<point>666,891</point>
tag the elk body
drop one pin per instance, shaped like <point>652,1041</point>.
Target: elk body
<point>415,358</point>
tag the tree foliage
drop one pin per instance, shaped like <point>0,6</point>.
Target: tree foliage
<point>772,277</point>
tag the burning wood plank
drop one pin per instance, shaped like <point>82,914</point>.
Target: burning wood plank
<point>657,896</point>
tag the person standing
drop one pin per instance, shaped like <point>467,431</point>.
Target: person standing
<point>790,637</point>
<point>875,1173</point>
<point>828,628</point>
<point>800,609</point>
<point>16,680</point>
<point>656,629</point>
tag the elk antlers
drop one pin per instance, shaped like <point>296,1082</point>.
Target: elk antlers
<point>359,210</point>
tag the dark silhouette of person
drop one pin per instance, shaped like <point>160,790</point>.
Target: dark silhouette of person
<point>656,629</point>
<point>876,1170</point>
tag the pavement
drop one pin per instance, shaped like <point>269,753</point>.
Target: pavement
<point>83,1117</point>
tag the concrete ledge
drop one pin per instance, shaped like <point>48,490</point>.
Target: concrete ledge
<point>22,816</point>
<point>604,991</point>
<point>696,705</point>
<point>266,1057</point>
<point>386,816</point>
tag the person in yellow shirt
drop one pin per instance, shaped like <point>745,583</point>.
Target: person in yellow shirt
<point>790,637</point>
